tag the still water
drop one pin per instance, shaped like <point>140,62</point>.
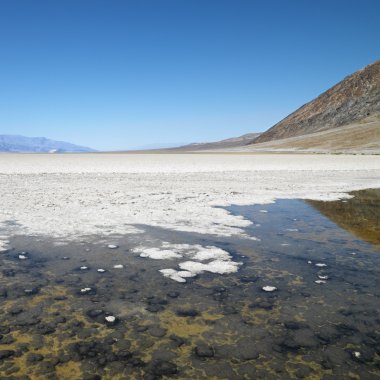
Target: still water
<point>322,321</point>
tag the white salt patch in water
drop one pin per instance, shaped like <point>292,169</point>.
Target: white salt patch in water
<point>211,253</point>
<point>269,288</point>
<point>158,254</point>
<point>216,266</point>
<point>118,266</point>
<point>185,274</point>
<point>3,245</point>
<point>172,274</point>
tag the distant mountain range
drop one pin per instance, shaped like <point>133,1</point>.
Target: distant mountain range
<point>22,144</point>
<point>222,144</point>
<point>345,118</point>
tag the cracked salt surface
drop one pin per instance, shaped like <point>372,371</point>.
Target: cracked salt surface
<point>72,196</point>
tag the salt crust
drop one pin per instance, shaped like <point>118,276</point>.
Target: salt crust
<point>219,261</point>
<point>71,196</point>
<point>173,251</point>
<point>216,266</point>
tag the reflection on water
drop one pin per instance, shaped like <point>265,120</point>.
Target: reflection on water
<point>322,322</point>
<point>360,215</point>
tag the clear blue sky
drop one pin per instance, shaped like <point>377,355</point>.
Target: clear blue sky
<point>117,74</point>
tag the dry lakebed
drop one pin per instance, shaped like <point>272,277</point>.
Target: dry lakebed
<point>189,266</point>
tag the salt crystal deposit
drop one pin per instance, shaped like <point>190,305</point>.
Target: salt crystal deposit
<point>110,194</point>
<point>269,288</point>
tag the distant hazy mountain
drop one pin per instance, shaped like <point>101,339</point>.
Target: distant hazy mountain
<point>233,142</point>
<point>22,144</point>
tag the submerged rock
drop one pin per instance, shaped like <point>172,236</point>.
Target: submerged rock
<point>5,354</point>
<point>187,313</point>
<point>160,368</point>
<point>204,351</point>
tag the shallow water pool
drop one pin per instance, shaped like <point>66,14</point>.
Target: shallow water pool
<point>321,321</point>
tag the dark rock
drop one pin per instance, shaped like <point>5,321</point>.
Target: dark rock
<point>94,313</point>
<point>154,308</point>
<point>328,335</point>
<point>124,354</point>
<point>262,304</point>
<point>8,272</point>
<point>33,358</point>
<point>4,330</point>
<point>156,301</point>
<point>305,338</point>
<point>187,313</point>
<point>346,329</point>
<point>161,368</point>
<point>229,310</point>
<point>178,341</point>
<point>136,362</point>
<point>46,329</point>
<point>204,351</point>
<point>293,325</point>
<point>334,357</point>
<point>60,298</point>
<point>5,354</point>
<point>156,331</point>
<point>60,319</point>
<point>141,329</point>
<point>14,310</point>
<point>173,294</point>
<point>248,279</point>
<point>7,339</point>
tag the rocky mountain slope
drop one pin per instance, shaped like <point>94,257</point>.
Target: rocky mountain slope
<point>22,144</point>
<point>352,100</point>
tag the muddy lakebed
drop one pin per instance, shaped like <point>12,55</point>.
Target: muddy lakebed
<point>297,297</point>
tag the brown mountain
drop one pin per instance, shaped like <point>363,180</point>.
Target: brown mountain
<point>352,101</point>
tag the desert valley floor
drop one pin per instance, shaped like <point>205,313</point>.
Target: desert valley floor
<point>225,266</point>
